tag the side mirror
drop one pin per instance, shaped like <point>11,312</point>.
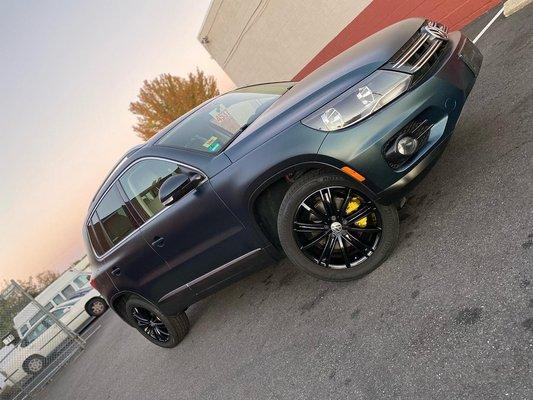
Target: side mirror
<point>177,186</point>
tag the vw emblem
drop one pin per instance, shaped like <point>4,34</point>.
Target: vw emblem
<point>436,31</point>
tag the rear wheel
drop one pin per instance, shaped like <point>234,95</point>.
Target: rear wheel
<point>34,364</point>
<point>158,328</point>
<point>331,229</point>
<point>96,307</point>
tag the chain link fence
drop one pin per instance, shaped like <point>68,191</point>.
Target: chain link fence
<point>37,340</point>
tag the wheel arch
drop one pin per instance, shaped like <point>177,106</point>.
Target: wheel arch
<point>266,199</point>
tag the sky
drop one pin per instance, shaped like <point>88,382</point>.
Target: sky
<point>68,71</point>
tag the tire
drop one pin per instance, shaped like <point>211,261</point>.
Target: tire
<point>138,311</point>
<point>96,307</point>
<point>34,364</point>
<point>307,186</point>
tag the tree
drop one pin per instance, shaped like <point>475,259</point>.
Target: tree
<point>167,97</point>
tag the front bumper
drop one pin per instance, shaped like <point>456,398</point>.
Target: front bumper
<point>439,97</point>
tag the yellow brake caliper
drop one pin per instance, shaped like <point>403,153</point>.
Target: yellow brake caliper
<point>352,206</point>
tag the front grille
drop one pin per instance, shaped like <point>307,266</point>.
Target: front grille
<point>421,51</point>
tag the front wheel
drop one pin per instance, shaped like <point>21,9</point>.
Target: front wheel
<point>161,330</point>
<point>330,229</point>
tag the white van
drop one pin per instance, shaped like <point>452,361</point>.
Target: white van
<point>58,292</point>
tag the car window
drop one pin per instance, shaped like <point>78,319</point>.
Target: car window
<point>210,127</point>
<point>36,317</point>
<point>68,291</point>
<point>58,299</point>
<point>142,182</point>
<point>37,331</point>
<point>58,313</point>
<point>48,306</point>
<point>116,221</point>
<point>23,329</point>
<point>82,280</point>
<point>97,235</point>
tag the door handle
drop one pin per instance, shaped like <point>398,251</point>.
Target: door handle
<point>158,241</point>
<point>115,271</point>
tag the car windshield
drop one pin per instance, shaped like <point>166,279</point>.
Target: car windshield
<point>210,127</point>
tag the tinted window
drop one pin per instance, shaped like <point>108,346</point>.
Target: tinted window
<point>115,218</point>
<point>97,235</point>
<point>58,299</point>
<point>143,181</point>
<point>68,291</point>
<point>82,280</point>
<point>37,331</point>
<point>209,128</point>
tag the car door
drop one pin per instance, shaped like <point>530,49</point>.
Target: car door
<point>196,234</point>
<point>120,248</point>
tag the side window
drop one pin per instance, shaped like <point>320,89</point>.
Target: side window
<point>37,331</point>
<point>36,318</point>
<point>116,222</point>
<point>23,329</point>
<point>68,291</point>
<point>82,280</point>
<point>58,299</point>
<point>142,182</point>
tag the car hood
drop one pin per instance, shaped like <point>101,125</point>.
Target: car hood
<point>325,83</point>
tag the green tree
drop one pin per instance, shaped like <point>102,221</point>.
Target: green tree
<point>167,97</point>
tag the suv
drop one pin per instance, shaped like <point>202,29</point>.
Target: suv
<point>313,170</point>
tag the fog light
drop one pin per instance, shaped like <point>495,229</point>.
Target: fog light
<point>407,145</point>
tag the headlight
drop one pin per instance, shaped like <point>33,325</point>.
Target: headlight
<point>360,101</point>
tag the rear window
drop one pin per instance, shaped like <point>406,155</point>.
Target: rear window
<point>110,223</point>
<point>212,126</point>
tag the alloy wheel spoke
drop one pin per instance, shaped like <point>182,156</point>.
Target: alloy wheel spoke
<point>356,242</point>
<point>317,239</point>
<point>326,200</point>
<point>309,227</point>
<point>323,218</point>
<point>342,210</point>
<point>344,254</point>
<point>364,230</point>
<point>325,250</point>
<point>361,212</point>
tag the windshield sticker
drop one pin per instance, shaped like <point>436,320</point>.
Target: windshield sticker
<point>210,141</point>
<point>214,147</point>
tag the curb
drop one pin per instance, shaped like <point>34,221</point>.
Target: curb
<point>512,6</point>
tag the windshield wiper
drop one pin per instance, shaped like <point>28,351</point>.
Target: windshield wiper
<point>241,129</point>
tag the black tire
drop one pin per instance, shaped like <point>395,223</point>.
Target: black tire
<point>29,364</point>
<point>177,327</point>
<point>300,191</point>
<point>96,307</point>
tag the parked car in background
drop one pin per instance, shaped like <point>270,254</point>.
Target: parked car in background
<point>313,170</point>
<point>46,339</point>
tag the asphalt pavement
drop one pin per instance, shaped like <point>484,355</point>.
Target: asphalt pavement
<point>448,316</point>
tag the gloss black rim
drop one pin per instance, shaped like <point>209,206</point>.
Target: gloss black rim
<point>150,324</point>
<point>337,227</point>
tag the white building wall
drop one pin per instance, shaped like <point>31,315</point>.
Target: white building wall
<point>272,40</point>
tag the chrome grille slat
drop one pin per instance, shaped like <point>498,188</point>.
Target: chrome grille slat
<point>409,53</point>
<point>427,55</point>
<point>420,50</point>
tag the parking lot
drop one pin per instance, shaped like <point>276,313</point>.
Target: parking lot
<point>449,315</point>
